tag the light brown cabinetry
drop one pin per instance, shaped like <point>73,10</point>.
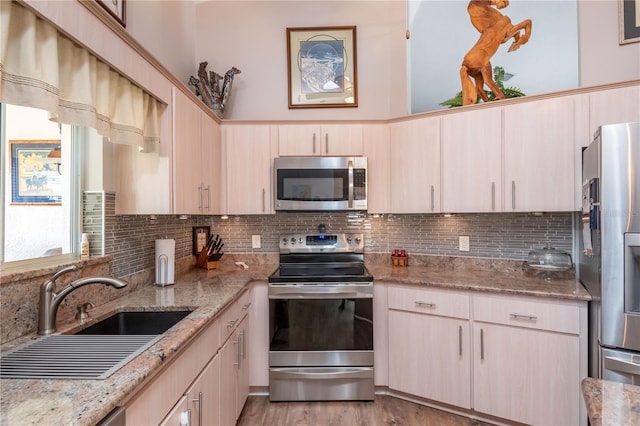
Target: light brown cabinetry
<point>472,161</point>
<point>196,158</point>
<point>415,166</point>
<point>514,357</point>
<point>247,170</point>
<point>539,156</point>
<point>376,149</point>
<point>316,140</point>
<point>611,106</point>
<point>203,397</point>
<point>429,344</point>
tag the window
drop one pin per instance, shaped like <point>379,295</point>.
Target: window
<point>40,188</point>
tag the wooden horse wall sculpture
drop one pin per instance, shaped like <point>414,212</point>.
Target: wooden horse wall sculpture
<point>495,29</point>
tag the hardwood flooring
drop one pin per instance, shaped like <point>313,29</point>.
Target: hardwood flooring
<point>385,410</point>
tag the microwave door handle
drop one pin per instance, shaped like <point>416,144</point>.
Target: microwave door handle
<point>350,205</point>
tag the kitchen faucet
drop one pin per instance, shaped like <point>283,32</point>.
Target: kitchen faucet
<point>50,300</point>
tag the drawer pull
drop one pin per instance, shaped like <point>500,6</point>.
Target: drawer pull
<point>425,304</point>
<point>246,306</point>
<point>523,316</point>
<point>231,323</point>
<point>460,341</point>
<point>481,344</point>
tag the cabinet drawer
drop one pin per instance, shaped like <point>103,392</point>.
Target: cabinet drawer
<point>548,314</point>
<point>429,301</point>
<point>232,316</point>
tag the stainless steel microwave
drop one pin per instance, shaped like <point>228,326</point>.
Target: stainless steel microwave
<point>320,183</point>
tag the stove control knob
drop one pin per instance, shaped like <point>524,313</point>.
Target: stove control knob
<point>293,240</point>
<point>349,239</point>
<point>299,240</point>
<point>358,240</point>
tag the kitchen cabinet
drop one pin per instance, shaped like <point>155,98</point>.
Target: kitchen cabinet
<point>203,397</point>
<point>472,161</point>
<point>178,413</point>
<point>611,106</point>
<point>196,158</point>
<point>429,344</point>
<point>325,140</point>
<point>376,149</point>
<point>415,166</point>
<point>539,156</point>
<point>518,358</point>
<point>234,355</point>
<point>247,170</point>
<point>528,359</point>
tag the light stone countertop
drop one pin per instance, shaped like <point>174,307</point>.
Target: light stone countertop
<point>610,403</point>
<point>85,402</point>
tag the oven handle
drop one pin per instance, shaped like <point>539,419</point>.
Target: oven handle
<point>321,295</point>
<point>351,373</point>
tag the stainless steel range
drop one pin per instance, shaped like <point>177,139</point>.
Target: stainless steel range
<point>321,320</point>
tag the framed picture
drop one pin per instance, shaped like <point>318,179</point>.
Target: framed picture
<point>36,176</point>
<point>115,8</point>
<point>322,67</point>
<point>201,235</point>
<point>629,16</point>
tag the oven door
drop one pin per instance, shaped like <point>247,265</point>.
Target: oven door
<point>321,342</point>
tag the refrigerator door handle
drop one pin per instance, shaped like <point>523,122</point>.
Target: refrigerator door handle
<point>621,366</point>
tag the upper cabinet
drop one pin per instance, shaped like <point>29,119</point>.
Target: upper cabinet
<point>376,149</point>
<point>415,166</point>
<point>613,106</point>
<point>315,140</point>
<point>196,158</point>
<point>247,169</point>
<point>472,161</point>
<point>539,156</point>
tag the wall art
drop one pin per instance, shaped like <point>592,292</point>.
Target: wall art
<point>36,176</point>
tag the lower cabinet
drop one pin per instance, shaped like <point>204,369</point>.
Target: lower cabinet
<point>207,384</point>
<point>519,358</point>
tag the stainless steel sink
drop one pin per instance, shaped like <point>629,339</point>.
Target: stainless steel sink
<point>93,353</point>
<point>136,323</point>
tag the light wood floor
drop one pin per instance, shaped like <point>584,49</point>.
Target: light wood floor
<point>385,410</point>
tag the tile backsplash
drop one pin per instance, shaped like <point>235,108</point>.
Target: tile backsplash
<point>130,239</point>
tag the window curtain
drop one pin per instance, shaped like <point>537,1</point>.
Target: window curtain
<point>41,68</point>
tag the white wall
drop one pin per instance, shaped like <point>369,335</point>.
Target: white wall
<point>251,35</point>
<point>602,59</point>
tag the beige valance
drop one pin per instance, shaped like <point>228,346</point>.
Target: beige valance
<point>41,68</point>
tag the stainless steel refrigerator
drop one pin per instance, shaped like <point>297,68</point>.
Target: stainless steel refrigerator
<point>610,251</point>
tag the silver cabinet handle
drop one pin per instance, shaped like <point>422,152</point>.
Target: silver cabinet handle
<point>481,344</point>
<point>523,316</point>
<point>242,353</point>
<point>425,304</point>
<point>433,190</point>
<point>264,200</point>
<point>493,195</point>
<point>513,195</point>
<point>460,341</point>
<point>231,323</point>
<point>314,142</point>
<point>237,343</point>
<point>208,189</point>
<point>326,143</point>
<point>199,402</point>
<point>200,188</point>
<point>246,306</point>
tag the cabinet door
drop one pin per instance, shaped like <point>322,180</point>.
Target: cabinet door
<point>186,155</point>
<point>429,356</point>
<point>247,154</point>
<point>229,364</point>
<point>472,161</point>
<point>613,106</point>
<point>299,140</point>
<point>210,158</point>
<point>341,139</point>
<point>524,375</point>
<point>415,166</point>
<point>204,395</point>
<point>376,149</point>
<point>244,339</point>
<point>539,156</point>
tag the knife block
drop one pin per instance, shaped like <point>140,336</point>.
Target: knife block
<point>203,260</point>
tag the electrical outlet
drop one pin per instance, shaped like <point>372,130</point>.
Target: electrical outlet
<point>255,241</point>
<point>463,243</point>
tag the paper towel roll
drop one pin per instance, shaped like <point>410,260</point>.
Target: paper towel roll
<point>165,262</point>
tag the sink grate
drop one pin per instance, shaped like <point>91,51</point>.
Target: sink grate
<point>73,356</point>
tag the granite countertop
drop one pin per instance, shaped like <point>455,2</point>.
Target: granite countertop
<point>610,403</point>
<point>85,402</point>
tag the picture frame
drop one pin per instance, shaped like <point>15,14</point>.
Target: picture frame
<point>629,26</point>
<point>201,235</point>
<point>322,67</point>
<point>115,8</point>
<point>36,176</point>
